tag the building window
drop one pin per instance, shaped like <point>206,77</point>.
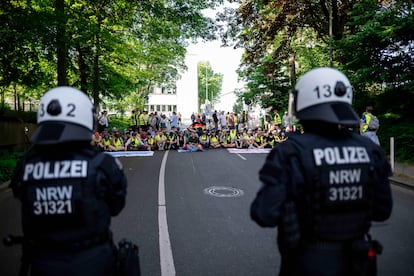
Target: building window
<point>151,108</point>
<point>172,90</point>
<point>174,108</point>
<point>158,108</point>
<point>163,108</point>
<point>169,108</point>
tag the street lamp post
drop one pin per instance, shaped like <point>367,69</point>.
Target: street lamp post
<point>206,86</point>
<point>329,6</point>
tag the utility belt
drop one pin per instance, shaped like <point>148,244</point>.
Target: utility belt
<point>71,246</point>
<point>371,129</point>
<point>325,245</point>
<point>362,244</point>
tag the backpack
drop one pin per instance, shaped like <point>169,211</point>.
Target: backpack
<point>373,123</point>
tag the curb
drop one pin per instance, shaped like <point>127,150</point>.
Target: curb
<point>4,186</point>
<point>402,182</point>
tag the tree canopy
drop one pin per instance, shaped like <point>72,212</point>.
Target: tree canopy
<point>108,49</point>
<point>116,50</point>
<point>209,83</point>
<point>371,41</point>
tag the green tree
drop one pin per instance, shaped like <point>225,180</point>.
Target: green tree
<point>273,33</point>
<point>209,83</point>
<point>112,49</point>
<point>24,31</point>
<point>378,56</point>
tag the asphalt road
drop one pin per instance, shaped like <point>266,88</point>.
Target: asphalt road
<point>203,224</point>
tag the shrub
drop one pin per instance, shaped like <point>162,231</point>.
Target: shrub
<point>403,133</point>
<point>8,161</point>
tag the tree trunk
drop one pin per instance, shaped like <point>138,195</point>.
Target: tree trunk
<point>82,70</point>
<point>61,46</point>
<point>95,82</point>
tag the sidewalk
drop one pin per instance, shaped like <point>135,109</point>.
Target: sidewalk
<point>403,174</point>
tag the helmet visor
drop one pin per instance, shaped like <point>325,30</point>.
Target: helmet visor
<point>337,113</point>
<point>49,133</point>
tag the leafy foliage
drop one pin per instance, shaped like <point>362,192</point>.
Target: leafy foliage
<point>370,41</point>
<point>111,50</point>
<point>8,161</point>
<point>378,55</point>
<point>403,134</point>
<point>208,83</point>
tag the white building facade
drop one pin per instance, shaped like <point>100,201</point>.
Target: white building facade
<point>183,99</point>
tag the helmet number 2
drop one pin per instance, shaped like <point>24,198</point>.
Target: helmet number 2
<point>72,108</point>
<point>70,113</point>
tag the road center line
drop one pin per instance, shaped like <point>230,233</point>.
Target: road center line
<point>241,156</point>
<point>166,256</point>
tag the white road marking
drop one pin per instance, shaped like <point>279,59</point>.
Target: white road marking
<point>166,256</point>
<point>241,156</point>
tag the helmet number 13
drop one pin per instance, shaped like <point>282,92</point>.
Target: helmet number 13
<point>324,91</point>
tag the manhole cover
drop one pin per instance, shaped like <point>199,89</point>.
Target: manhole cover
<point>220,191</point>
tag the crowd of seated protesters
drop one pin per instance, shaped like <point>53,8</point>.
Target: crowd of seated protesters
<point>189,139</point>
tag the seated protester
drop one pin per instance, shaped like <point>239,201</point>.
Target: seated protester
<point>97,141</point>
<point>233,135</point>
<point>172,141</point>
<point>204,140</point>
<point>247,139</point>
<point>152,144</point>
<point>226,141</point>
<point>181,140</point>
<point>107,141</point>
<point>193,143</point>
<point>199,131</point>
<point>223,135</point>
<point>214,140</point>
<point>116,141</point>
<point>160,139</point>
<point>258,140</point>
<point>134,142</point>
<point>142,134</point>
<point>239,140</point>
<point>125,135</point>
<point>280,137</point>
<point>270,140</point>
<point>283,132</point>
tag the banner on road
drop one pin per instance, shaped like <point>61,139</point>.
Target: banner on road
<point>249,150</point>
<point>130,153</point>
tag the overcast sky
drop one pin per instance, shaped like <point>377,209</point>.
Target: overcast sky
<point>224,60</point>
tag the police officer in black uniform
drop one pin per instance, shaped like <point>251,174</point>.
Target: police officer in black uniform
<point>323,188</point>
<point>68,191</point>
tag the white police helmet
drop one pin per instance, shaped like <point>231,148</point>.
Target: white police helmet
<point>65,114</point>
<point>324,94</point>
